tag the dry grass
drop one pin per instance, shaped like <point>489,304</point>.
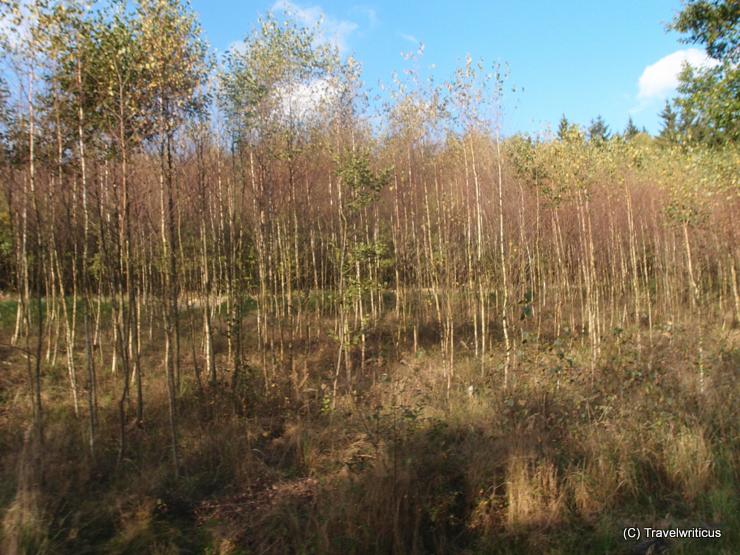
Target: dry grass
<point>688,461</point>
<point>396,468</point>
<point>535,497</point>
<point>596,485</point>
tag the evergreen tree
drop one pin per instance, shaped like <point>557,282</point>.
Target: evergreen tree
<point>598,131</point>
<point>669,129</point>
<point>631,129</point>
<point>563,128</point>
<point>568,131</point>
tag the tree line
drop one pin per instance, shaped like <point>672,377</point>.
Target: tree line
<point>239,214</point>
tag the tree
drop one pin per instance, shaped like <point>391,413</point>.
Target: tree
<point>669,131</point>
<point>177,62</point>
<point>563,128</point>
<point>709,98</point>
<point>631,130</point>
<point>598,130</point>
<point>274,92</point>
<point>569,131</point>
<point>6,237</point>
<point>713,23</point>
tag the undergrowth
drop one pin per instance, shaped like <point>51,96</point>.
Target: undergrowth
<point>556,463</point>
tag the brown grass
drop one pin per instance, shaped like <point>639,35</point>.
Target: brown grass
<point>396,469</point>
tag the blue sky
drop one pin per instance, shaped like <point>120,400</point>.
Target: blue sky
<point>581,58</point>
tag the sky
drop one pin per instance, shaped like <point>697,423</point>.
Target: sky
<point>578,58</point>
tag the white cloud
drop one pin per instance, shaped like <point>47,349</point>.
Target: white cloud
<point>658,80</point>
<point>409,38</point>
<point>369,13</point>
<point>331,30</point>
<point>307,100</point>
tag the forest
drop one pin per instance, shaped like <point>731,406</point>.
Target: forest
<point>246,307</point>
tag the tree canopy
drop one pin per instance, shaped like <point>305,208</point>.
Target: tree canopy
<point>708,103</point>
